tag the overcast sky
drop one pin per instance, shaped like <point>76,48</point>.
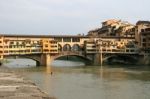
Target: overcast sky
<point>67,16</point>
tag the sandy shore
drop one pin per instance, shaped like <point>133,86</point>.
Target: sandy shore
<point>14,86</point>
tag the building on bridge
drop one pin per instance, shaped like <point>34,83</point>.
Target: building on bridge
<point>143,35</point>
<point>111,45</point>
<point>26,46</point>
<point>145,40</point>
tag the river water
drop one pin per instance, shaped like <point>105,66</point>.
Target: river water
<point>73,80</point>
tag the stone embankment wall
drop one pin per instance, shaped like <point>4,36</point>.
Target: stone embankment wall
<point>14,86</point>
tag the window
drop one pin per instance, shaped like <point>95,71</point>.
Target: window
<point>144,40</point>
<point>58,39</point>
<point>5,46</point>
<point>67,39</point>
<point>142,30</point>
<point>46,50</point>
<point>46,45</point>
<point>53,42</point>
<point>11,42</point>
<point>75,39</point>
<point>5,51</point>
<point>54,46</point>
<point>144,44</point>
<point>127,50</point>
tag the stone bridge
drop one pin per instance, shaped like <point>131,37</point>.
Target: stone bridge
<point>47,59</point>
<point>44,49</point>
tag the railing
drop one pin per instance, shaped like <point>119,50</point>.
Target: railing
<point>70,53</point>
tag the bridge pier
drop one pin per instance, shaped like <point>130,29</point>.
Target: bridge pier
<point>38,63</point>
<point>45,60</point>
<point>98,59</point>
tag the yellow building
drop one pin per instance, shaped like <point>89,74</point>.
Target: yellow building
<point>49,46</point>
<point>25,45</point>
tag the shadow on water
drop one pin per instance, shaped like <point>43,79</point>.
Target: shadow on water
<point>19,63</point>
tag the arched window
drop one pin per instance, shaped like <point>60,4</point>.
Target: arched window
<point>76,47</point>
<point>67,47</point>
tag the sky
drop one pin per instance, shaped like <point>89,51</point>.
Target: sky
<point>66,17</point>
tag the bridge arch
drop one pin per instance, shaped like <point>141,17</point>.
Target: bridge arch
<point>122,58</point>
<point>76,47</point>
<point>83,59</point>
<point>35,58</point>
<point>67,47</point>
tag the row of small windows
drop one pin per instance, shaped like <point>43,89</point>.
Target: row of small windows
<point>66,39</point>
<point>46,50</point>
<point>46,45</point>
<point>146,40</point>
<point>23,42</point>
<point>146,44</point>
<point>147,30</point>
<point>27,51</point>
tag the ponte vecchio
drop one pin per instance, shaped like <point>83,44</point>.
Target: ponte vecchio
<point>46,48</point>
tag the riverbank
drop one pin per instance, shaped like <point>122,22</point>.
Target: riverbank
<point>14,86</point>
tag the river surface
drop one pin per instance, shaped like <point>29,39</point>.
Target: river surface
<point>73,80</point>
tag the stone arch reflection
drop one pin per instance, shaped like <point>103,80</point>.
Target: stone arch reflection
<point>66,47</point>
